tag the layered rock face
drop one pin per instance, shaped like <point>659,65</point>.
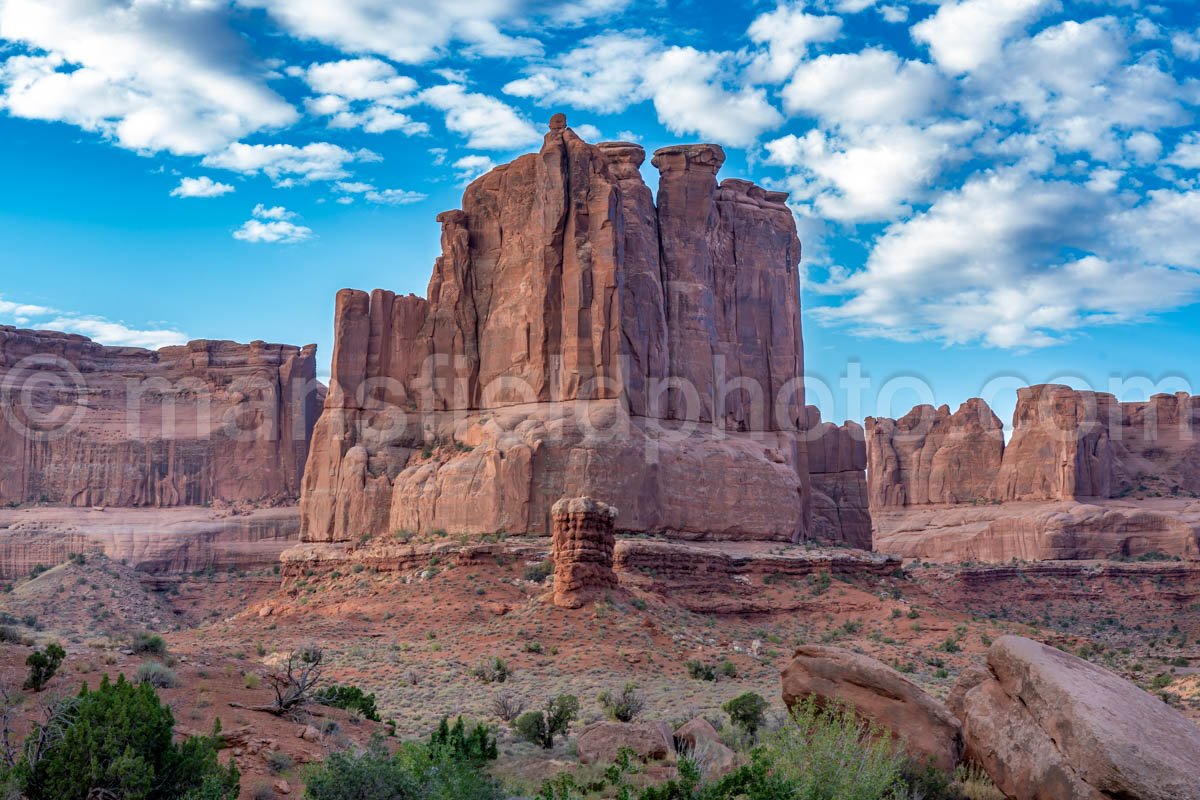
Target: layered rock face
<point>89,425</point>
<point>1066,445</point>
<point>578,338</point>
<point>582,552</point>
<point>932,456</point>
<point>837,464</point>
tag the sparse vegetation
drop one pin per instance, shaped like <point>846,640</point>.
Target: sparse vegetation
<point>540,727</point>
<point>746,712</point>
<point>350,698</point>
<point>623,706</point>
<point>43,665</point>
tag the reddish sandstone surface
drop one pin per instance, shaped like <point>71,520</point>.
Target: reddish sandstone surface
<point>88,425</point>
<point>1083,476</point>
<point>581,338</point>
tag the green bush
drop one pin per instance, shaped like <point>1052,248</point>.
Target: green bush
<point>146,643</point>
<point>160,676</point>
<point>350,698</point>
<point>701,671</point>
<point>540,727</point>
<point>416,772</point>
<point>493,670</point>
<point>746,711</point>
<point>478,745</point>
<point>625,706</point>
<point>116,741</point>
<point>42,666</point>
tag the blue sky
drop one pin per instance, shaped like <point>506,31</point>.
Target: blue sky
<point>989,192</point>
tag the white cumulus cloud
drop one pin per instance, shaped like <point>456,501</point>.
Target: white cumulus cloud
<point>288,164</point>
<point>272,225</point>
<point>965,34</point>
<point>203,186</point>
<point>486,122</point>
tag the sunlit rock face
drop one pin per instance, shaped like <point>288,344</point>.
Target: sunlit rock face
<point>579,337</point>
<point>210,421</point>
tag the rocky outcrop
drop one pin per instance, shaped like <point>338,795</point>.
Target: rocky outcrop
<point>601,742</point>
<point>1082,476</point>
<point>88,425</point>
<point>1049,726</point>
<point>171,541</point>
<point>582,551</point>
<point>1029,531</point>
<point>1061,447</point>
<point>921,725</point>
<point>932,456</point>
<point>578,338</point>
<point>837,464</point>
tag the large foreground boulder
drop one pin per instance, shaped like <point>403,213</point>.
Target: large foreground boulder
<point>1049,726</point>
<point>924,727</point>
<point>601,742</point>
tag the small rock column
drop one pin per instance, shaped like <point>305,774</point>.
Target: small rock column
<point>583,543</point>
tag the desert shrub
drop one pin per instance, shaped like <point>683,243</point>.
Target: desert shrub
<point>746,711</point>
<point>975,784</point>
<point>350,698</point>
<point>830,754</point>
<point>416,772</point>
<point>477,745</point>
<point>700,671</point>
<point>493,670</point>
<point>160,676</point>
<point>623,706</point>
<point>42,666</point>
<point>9,635</point>
<point>538,572</point>
<point>279,761</point>
<point>507,706</point>
<point>146,643</point>
<point>540,727</point>
<point>728,669</point>
<point>116,741</point>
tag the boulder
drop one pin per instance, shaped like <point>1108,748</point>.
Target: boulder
<point>600,742</point>
<point>700,741</point>
<point>1046,724</point>
<point>924,727</point>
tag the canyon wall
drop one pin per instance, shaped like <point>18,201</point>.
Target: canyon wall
<point>578,337</point>
<point>1083,476</point>
<point>207,422</point>
<point>837,463</point>
<point>1066,445</point>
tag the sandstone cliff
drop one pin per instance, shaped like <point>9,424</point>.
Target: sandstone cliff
<point>577,338</point>
<point>837,462</point>
<point>932,456</point>
<point>1083,476</point>
<point>89,425</point>
<point>1066,444</point>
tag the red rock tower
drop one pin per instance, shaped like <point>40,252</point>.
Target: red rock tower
<point>583,543</point>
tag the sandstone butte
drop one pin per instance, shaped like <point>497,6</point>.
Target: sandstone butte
<point>582,337</point>
<point>86,425</point>
<point>1083,476</point>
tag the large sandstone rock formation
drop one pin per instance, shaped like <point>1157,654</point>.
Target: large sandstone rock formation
<point>1083,476</point>
<point>922,726</point>
<point>161,541</point>
<point>1066,445</point>
<point>932,456</point>
<point>582,550</point>
<point>1049,726</point>
<point>87,425</point>
<point>577,338</point>
<point>837,463</point>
